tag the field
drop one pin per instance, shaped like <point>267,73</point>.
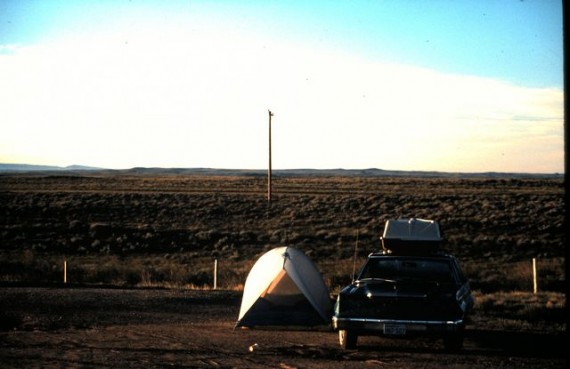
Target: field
<point>150,231</point>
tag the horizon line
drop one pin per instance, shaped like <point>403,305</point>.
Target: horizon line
<point>26,167</point>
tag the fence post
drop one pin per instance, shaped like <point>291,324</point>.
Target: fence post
<point>64,271</point>
<point>534,276</point>
<point>215,274</point>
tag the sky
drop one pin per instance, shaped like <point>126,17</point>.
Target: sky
<point>456,86</point>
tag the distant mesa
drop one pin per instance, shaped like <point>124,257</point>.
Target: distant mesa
<point>41,168</point>
<point>339,172</point>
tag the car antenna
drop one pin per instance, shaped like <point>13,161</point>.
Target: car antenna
<point>354,258</point>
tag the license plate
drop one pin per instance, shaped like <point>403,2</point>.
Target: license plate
<point>394,329</point>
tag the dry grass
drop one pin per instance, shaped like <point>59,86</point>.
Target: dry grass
<point>150,231</point>
<point>518,310</point>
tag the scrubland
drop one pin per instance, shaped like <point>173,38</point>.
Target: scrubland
<point>147,230</point>
<point>140,250</point>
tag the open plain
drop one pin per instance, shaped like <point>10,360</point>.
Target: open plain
<point>155,328</point>
<point>139,251</point>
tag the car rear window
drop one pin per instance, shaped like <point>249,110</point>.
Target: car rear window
<point>408,269</point>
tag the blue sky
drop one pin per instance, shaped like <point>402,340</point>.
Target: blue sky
<point>411,85</point>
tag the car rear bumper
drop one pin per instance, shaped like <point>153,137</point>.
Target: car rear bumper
<point>382,326</point>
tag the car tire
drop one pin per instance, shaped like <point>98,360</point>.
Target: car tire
<point>347,339</point>
<point>453,342</point>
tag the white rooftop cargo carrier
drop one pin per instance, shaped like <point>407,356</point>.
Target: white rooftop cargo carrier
<point>411,236</point>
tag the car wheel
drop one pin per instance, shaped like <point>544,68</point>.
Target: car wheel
<point>453,342</point>
<point>347,339</point>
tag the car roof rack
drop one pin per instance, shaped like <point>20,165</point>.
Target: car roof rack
<point>411,236</point>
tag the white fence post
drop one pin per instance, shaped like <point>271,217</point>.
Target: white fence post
<point>215,274</point>
<point>534,276</point>
<point>64,271</point>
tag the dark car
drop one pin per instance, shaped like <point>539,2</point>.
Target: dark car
<point>409,288</point>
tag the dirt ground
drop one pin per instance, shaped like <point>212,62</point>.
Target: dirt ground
<point>65,327</point>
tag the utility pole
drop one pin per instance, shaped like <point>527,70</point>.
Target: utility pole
<point>269,169</point>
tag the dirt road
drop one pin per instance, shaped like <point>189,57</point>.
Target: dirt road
<point>151,328</point>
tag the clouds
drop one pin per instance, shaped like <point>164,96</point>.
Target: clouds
<point>198,96</point>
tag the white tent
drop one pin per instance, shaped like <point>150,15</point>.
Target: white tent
<point>284,287</point>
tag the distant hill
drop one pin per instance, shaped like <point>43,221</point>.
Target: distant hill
<point>41,168</point>
<point>370,172</point>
